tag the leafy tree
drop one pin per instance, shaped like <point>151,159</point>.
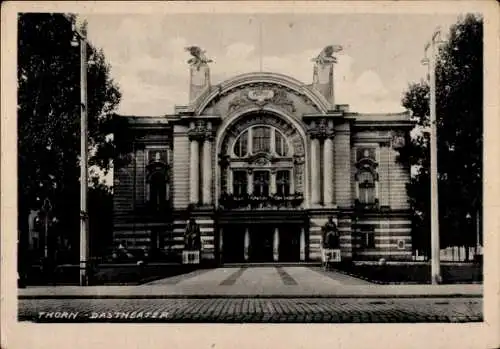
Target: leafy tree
<point>459,107</point>
<point>49,118</point>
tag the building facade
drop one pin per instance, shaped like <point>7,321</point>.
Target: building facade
<point>261,161</point>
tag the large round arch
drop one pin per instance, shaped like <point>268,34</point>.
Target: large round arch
<point>284,81</point>
<point>233,125</point>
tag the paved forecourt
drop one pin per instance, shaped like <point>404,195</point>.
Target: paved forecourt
<point>277,282</point>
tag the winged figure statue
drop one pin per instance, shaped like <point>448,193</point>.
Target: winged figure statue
<point>327,54</point>
<point>198,56</point>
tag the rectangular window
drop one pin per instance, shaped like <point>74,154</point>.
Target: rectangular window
<point>261,139</point>
<point>283,183</point>
<point>240,180</point>
<point>261,183</point>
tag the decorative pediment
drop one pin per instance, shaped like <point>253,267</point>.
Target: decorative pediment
<point>156,167</point>
<point>366,164</point>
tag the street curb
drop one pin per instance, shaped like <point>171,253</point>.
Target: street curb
<point>260,296</point>
<point>377,282</point>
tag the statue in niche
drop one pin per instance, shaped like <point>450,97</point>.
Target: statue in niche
<point>330,235</point>
<point>192,239</point>
<point>198,57</point>
<point>327,55</point>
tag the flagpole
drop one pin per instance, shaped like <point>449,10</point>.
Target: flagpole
<point>80,39</point>
<point>260,45</point>
<point>84,243</point>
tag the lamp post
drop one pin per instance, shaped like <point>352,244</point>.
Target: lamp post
<point>435,249</point>
<point>79,39</point>
<point>46,209</point>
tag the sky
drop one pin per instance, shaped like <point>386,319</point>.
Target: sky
<point>381,53</point>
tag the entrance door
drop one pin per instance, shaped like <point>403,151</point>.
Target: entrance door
<point>233,240</point>
<point>289,243</point>
<point>261,243</point>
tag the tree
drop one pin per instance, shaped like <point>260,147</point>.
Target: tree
<point>459,85</point>
<point>49,117</point>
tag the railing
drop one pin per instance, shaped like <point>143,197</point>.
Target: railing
<point>361,206</point>
<point>234,202</point>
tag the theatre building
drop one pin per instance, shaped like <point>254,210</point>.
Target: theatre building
<point>261,161</point>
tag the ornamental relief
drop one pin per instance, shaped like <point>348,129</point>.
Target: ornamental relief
<point>321,129</point>
<point>299,177</point>
<point>260,95</point>
<point>398,140</point>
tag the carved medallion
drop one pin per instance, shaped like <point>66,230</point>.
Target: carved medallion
<point>261,95</point>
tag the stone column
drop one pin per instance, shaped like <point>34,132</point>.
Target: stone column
<point>328,187</point>
<point>207,171</point>
<point>246,244</point>
<point>273,187</point>
<point>315,175</point>
<point>302,244</point>
<point>276,245</point>
<point>250,141</point>
<point>229,188</point>
<point>249,182</point>
<point>221,243</point>
<point>343,165</point>
<point>356,189</point>
<point>194,174</point>
<point>273,141</point>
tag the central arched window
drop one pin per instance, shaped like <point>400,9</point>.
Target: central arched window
<point>259,168</point>
<point>260,139</point>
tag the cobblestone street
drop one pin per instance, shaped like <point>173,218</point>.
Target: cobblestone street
<point>315,310</point>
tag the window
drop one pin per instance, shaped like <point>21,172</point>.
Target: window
<point>241,145</point>
<point>261,139</point>
<point>366,185</point>
<point>283,183</point>
<point>368,238</point>
<point>240,180</point>
<point>261,183</point>
<point>280,144</point>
